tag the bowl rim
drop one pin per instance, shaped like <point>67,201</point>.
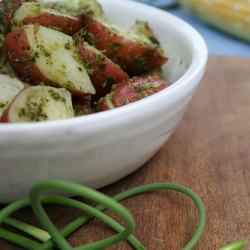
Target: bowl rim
<point>198,63</point>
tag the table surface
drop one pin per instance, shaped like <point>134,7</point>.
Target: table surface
<point>209,152</point>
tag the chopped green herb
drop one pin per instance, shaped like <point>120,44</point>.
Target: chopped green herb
<point>33,111</point>
<point>67,46</point>
<point>2,105</point>
<point>109,82</point>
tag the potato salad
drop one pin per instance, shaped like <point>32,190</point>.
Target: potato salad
<point>65,59</point>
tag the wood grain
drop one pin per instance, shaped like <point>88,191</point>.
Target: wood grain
<point>209,152</point>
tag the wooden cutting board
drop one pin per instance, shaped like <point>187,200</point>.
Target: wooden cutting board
<point>209,152</point>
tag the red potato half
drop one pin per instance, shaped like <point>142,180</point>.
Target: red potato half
<point>134,52</point>
<point>131,91</point>
<point>102,71</point>
<point>43,55</point>
<point>9,87</point>
<point>33,12</point>
<point>39,103</point>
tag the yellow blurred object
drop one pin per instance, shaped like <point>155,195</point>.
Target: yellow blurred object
<point>231,16</point>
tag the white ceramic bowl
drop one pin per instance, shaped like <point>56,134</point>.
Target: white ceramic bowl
<point>101,148</point>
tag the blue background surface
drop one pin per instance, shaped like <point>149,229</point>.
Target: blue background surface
<point>218,42</point>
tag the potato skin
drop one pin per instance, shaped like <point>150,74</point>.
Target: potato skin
<point>132,56</point>
<point>82,105</point>
<point>131,91</point>
<point>67,25</point>
<point>102,71</point>
<point>5,116</point>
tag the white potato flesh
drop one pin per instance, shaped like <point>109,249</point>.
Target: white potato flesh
<point>31,9</point>
<point>56,57</point>
<point>9,88</point>
<point>5,67</point>
<point>130,34</point>
<point>41,103</point>
<point>109,102</point>
<point>72,7</point>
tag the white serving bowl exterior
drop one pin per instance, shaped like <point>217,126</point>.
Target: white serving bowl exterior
<point>99,149</point>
